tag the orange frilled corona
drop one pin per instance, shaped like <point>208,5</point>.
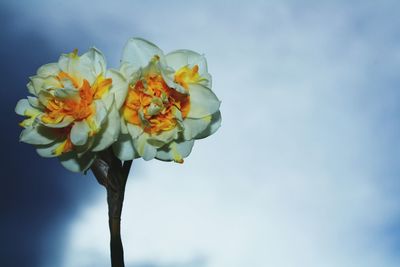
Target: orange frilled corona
<point>153,105</point>
<point>78,107</point>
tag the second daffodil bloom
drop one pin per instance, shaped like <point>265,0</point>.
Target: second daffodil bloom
<point>169,103</point>
<point>73,112</point>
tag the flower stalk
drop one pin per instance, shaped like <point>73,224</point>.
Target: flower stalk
<point>111,173</point>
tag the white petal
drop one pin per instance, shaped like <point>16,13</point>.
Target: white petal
<point>134,130</point>
<point>124,127</point>
<point>181,58</point>
<point>101,112</point>
<point>203,101</point>
<point>47,151</point>
<point>48,70</point>
<point>79,133</point>
<point>38,135</point>
<point>79,70</point>
<point>193,127</point>
<point>175,151</point>
<point>212,127</point>
<point>145,150</point>
<point>80,150</point>
<point>31,88</point>
<point>109,132</point>
<point>44,97</point>
<point>66,93</point>
<point>119,86</point>
<point>22,106</point>
<point>34,102</point>
<point>169,80</point>
<point>165,137</point>
<point>67,120</point>
<point>72,162</point>
<point>124,149</point>
<point>138,52</point>
<point>95,59</point>
<point>38,84</point>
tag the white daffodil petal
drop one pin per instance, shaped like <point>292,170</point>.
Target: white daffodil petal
<point>180,58</point>
<point>70,63</point>
<point>138,52</point>
<point>38,84</point>
<point>66,93</point>
<point>203,101</point>
<point>95,59</point>
<point>169,80</point>
<point>34,102</point>
<point>44,97</point>
<point>37,135</point>
<point>206,80</point>
<point>124,149</point>
<point>48,70</point>
<point>81,150</point>
<point>193,127</point>
<point>119,86</point>
<point>101,112</point>
<point>47,151</point>
<point>212,127</point>
<point>72,162</point>
<point>145,150</point>
<point>79,133</point>
<point>67,120</point>
<point>22,106</point>
<point>175,151</point>
<point>110,131</point>
<point>134,130</point>
<point>31,88</point>
<point>164,137</point>
<point>124,127</point>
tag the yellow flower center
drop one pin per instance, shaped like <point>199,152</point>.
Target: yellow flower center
<point>152,105</point>
<point>79,108</point>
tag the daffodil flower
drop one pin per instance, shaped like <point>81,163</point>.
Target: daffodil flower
<point>169,103</point>
<point>73,112</point>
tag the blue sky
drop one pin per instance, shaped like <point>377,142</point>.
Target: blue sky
<point>303,172</point>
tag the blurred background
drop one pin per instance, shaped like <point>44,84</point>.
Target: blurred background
<point>303,172</point>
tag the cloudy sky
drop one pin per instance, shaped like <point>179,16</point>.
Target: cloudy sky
<point>303,172</point>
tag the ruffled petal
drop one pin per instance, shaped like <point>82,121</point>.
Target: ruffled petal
<point>138,53</point>
<point>124,148</point>
<point>72,162</point>
<point>203,101</point>
<point>175,151</point>
<point>134,130</point>
<point>50,69</point>
<point>119,86</point>
<point>94,60</point>
<point>145,150</point>
<point>38,83</point>
<point>214,125</point>
<point>22,107</point>
<point>181,58</point>
<point>49,151</point>
<point>80,133</point>
<point>38,135</point>
<point>110,131</point>
<point>193,127</point>
<point>165,137</point>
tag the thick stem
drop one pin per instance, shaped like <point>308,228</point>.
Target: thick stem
<point>112,174</point>
<point>115,202</point>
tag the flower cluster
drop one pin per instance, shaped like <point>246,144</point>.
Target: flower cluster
<point>154,106</point>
